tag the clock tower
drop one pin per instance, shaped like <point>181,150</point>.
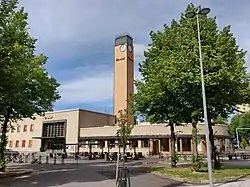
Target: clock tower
<point>124,75</point>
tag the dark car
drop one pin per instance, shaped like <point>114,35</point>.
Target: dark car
<point>11,152</point>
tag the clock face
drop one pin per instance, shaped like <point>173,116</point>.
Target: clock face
<point>123,48</point>
<point>130,48</point>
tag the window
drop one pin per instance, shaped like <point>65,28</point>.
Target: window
<point>10,143</point>
<point>54,129</point>
<point>112,143</point>
<point>17,143</point>
<point>30,143</point>
<point>178,148</point>
<point>23,143</point>
<point>135,143</point>
<point>144,143</point>
<point>25,128</point>
<point>31,127</point>
<point>18,128</point>
<point>186,144</point>
<point>84,144</point>
<point>165,144</point>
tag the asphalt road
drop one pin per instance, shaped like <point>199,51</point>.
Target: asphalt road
<point>87,174</point>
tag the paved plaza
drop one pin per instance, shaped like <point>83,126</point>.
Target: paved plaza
<point>93,174</point>
<point>83,174</point>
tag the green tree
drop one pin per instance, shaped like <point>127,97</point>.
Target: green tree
<point>124,131</point>
<point>25,86</point>
<point>171,85</point>
<point>243,143</point>
<point>220,120</point>
<point>240,121</point>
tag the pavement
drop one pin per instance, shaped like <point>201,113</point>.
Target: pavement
<point>96,173</point>
<point>85,174</point>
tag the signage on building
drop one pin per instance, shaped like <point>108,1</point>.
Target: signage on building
<point>48,117</point>
<point>120,58</point>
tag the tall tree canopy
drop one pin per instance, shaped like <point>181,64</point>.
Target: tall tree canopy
<point>25,86</point>
<point>170,88</point>
<point>240,121</point>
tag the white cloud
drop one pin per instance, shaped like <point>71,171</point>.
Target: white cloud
<point>88,89</point>
<point>97,85</point>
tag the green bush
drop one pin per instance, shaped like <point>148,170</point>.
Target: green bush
<point>197,163</point>
<point>243,143</point>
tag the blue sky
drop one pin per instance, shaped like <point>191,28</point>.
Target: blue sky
<point>78,37</point>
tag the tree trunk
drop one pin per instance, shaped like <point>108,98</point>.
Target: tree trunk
<point>3,142</point>
<point>123,156</point>
<point>194,138</point>
<point>216,162</point>
<point>173,155</point>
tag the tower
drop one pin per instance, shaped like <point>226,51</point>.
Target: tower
<point>124,75</point>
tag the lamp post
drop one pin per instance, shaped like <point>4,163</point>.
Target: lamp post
<point>203,11</point>
<point>237,135</point>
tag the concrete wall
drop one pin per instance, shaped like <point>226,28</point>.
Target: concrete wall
<point>95,119</point>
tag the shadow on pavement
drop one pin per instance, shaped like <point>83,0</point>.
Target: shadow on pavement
<point>83,174</point>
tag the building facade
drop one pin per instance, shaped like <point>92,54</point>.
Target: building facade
<point>54,131</point>
<point>91,132</point>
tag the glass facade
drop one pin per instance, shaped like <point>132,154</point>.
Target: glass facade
<point>52,130</point>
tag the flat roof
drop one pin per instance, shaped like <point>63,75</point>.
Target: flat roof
<point>77,109</point>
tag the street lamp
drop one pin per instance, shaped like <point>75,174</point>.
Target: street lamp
<point>203,11</point>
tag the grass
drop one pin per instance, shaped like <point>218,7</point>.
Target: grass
<point>186,173</point>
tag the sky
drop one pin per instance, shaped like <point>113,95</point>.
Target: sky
<point>78,38</point>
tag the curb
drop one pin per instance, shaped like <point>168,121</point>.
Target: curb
<point>189,181</point>
<point>4,176</point>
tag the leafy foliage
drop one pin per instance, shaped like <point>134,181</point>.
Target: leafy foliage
<point>25,86</point>
<point>243,143</point>
<point>197,161</point>
<point>170,89</point>
<point>125,129</point>
<point>240,121</point>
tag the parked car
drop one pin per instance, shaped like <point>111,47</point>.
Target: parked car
<point>11,152</point>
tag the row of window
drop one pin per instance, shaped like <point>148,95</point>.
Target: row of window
<point>186,144</point>
<point>18,129</point>
<point>23,143</point>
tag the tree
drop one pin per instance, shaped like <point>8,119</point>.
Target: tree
<point>157,98</point>
<point>240,121</point>
<point>243,143</point>
<point>25,86</point>
<point>220,120</point>
<point>124,131</point>
<point>171,85</point>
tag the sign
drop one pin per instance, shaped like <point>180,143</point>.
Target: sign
<point>120,58</point>
<point>48,117</point>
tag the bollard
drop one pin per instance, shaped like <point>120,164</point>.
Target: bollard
<point>47,160</point>
<point>123,179</point>
<point>62,159</point>
<point>26,158</point>
<point>20,159</point>
<point>54,159</point>
<point>106,157</point>
<point>40,159</point>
